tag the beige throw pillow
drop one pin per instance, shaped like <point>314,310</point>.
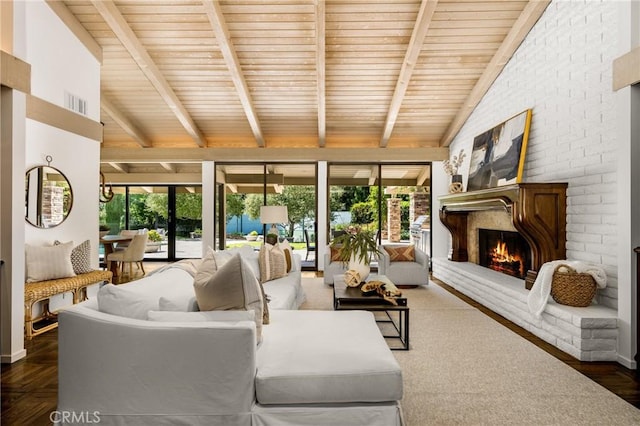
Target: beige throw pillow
<point>233,286</point>
<point>48,262</point>
<point>288,253</point>
<point>273,263</point>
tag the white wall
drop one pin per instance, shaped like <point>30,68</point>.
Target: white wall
<point>563,71</point>
<point>38,38</point>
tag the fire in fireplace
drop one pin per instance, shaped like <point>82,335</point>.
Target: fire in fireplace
<point>504,251</point>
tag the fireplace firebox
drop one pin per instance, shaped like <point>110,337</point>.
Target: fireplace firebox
<point>504,251</point>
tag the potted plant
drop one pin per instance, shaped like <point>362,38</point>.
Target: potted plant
<point>154,241</point>
<point>272,239</point>
<point>252,236</point>
<point>104,230</point>
<point>355,247</point>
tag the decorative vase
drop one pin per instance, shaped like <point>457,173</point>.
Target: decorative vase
<point>456,184</point>
<point>362,268</point>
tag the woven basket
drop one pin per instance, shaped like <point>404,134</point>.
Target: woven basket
<point>572,288</point>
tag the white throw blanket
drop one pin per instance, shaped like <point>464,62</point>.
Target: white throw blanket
<point>541,289</point>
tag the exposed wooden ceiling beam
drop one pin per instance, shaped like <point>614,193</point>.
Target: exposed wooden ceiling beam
<point>156,155</point>
<point>112,16</point>
<point>258,178</point>
<point>411,57</point>
<point>233,187</point>
<point>70,20</point>
<point>122,168</point>
<point>155,178</point>
<point>374,175</point>
<point>423,176</point>
<point>169,167</point>
<point>320,71</point>
<point>219,26</point>
<point>522,26</point>
<point>125,123</point>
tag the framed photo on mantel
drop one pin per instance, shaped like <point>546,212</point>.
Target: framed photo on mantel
<point>497,157</point>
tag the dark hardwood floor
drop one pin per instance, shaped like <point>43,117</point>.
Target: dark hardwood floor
<point>29,386</point>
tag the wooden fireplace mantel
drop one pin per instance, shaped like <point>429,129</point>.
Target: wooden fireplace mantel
<point>538,212</point>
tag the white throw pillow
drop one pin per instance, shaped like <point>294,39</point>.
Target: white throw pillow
<point>48,262</point>
<point>232,287</point>
<point>126,301</point>
<point>185,303</point>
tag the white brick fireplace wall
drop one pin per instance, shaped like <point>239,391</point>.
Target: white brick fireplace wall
<point>562,71</point>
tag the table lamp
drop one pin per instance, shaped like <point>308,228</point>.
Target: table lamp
<point>273,215</point>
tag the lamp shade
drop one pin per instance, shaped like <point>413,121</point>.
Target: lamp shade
<point>274,214</point>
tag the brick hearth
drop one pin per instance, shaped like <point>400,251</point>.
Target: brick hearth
<point>588,334</point>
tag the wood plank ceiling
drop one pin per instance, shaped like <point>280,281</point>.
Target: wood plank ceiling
<point>190,79</point>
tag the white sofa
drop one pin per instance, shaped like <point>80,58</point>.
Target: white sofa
<point>310,367</point>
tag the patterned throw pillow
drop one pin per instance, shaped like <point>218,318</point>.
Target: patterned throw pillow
<point>401,253</point>
<point>273,264</point>
<point>335,254</point>
<point>80,257</point>
<point>288,253</point>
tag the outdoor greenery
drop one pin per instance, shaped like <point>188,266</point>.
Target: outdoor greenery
<point>154,236</point>
<point>299,199</point>
<point>149,210</point>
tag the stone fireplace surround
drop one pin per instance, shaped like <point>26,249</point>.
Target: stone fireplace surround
<point>588,334</point>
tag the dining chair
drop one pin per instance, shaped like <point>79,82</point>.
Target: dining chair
<point>134,253</point>
<point>311,247</point>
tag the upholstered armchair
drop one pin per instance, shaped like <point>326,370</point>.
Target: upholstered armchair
<point>403,264</point>
<point>332,266</point>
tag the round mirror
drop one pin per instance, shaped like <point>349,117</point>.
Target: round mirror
<point>48,197</point>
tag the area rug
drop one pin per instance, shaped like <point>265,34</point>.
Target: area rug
<point>464,368</point>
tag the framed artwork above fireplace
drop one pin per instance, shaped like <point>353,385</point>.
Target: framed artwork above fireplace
<point>498,154</point>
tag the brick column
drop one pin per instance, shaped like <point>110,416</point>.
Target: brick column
<point>393,219</point>
<point>418,205</point>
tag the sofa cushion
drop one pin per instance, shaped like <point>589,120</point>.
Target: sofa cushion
<point>310,357</point>
<point>179,303</point>
<point>135,299</point>
<point>48,262</point>
<point>401,253</point>
<point>201,316</point>
<point>232,287</point>
<point>273,264</point>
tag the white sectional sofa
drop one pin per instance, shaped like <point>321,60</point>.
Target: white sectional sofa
<point>205,368</point>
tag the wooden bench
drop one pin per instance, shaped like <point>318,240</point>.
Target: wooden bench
<point>42,290</point>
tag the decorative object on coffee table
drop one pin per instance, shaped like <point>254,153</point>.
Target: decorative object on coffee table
<point>356,246</point>
<point>352,278</point>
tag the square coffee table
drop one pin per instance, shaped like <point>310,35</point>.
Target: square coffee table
<point>351,298</point>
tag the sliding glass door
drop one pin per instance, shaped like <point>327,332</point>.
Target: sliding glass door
<point>243,188</point>
<point>391,200</point>
<point>171,215</point>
